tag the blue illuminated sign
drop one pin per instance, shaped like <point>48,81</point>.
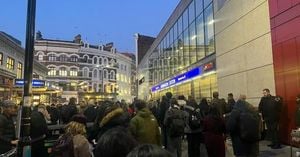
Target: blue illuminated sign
<point>180,78</point>
<point>35,83</point>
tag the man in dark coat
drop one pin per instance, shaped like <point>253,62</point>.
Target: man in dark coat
<point>163,107</point>
<point>230,103</point>
<point>219,104</point>
<point>270,108</point>
<point>38,131</point>
<point>7,128</point>
<point>240,147</point>
<point>68,111</point>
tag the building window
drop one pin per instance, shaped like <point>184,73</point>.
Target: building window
<point>52,57</point>
<point>74,59</point>
<point>63,58</point>
<point>10,63</point>
<point>105,61</point>
<point>105,74</point>
<point>95,73</point>
<point>52,71</point>
<point>85,58</point>
<point>209,30</point>
<point>100,61</point>
<point>63,71</point>
<point>85,72</point>
<point>95,60</point>
<point>19,70</point>
<point>40,57</point>
<point>100,74</point>
<point>112,75</point>
<point>125,67</point>
<point>1,58</point>
<point>73,72</point>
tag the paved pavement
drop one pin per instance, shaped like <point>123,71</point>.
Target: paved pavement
<point>265,151</point>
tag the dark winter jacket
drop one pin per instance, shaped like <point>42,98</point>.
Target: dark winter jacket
<point>219,104</point>
<point>38,129</point>
<point>90,113</point>
<point>144,127</point>
<point>270,108</point>
<point>54,114</point>
<point>116,117</point>
<point>240,147</point>
<point>164,106</point>
<point>7,133</point>
<point>67,112</point>
<point>214,130</point>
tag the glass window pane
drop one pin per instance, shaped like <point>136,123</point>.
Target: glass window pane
<point>209,31</point>
<point>180,50</point>
<point>192,43</point>
<point>199,7</point>
<point>200,37</point>
<point>186,48</point>
<point>180,26</point>
<point>175,31</point>
<point>192,12</point>
<point>207,2</point>
<point>185,18</point>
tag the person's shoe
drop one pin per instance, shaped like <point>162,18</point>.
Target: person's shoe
<point>271,145</point>
<point>276,147</point>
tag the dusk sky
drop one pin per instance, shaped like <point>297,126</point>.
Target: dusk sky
<point>98,21</point>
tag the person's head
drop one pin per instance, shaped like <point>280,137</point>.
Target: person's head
<point>116,142</point>
<point>169,95</point>
<point>72,101</point>
<point>266,92</point>
<point>9,108</point>
<point>140,104</point>
<point>174,103</point>
<point>77,125</point>
<point>230,96</point>
<point>203,101</point>
<point>216,95</point>
<point>149,150</point>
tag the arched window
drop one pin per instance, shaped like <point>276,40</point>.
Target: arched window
<point>105,74</point>
<point>95,60</point>
<point>105,61</point>
<point>73,72</point>
<point>85,58</point>
<point>100,60</point>
<point>52,71</point>
<point>63,58</point>
<point>100,74</point>
<point>95,72</point>
<point>52,57</point>
<point>63,71</point>
<point>74,59</point>
<point>112,75</point>
<point>40,57</point>
<point>85,72</point>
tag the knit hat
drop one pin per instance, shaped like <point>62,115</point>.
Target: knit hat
<point>79,118</point>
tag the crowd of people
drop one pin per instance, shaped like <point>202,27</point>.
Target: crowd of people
<point>154,128</point>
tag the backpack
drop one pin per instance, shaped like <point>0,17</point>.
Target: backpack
<point>63,147</point>
<point>250,126</point>
<point>177,124</point>
<point>195,119</point>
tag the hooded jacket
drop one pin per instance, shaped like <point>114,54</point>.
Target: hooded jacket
<point>144,127</point>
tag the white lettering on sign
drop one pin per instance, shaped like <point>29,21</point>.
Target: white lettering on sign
<point>181,78</point>
<point>172,82</point>
<point>164,85</point>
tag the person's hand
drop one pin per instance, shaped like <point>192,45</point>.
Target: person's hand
<point>14,142</point>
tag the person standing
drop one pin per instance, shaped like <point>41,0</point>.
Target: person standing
<point>144,126</point>
<point>7,128</point>
<point>270,107</point>
<point>230,103</point>
<point>218,103</point>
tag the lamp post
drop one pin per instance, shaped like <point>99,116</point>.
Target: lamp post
<point>24,148</point>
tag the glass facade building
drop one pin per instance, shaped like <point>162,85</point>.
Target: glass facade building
<point>188,41</point>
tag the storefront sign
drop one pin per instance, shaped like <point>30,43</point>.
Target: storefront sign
<point>35,83</point>
<point>178,79</point>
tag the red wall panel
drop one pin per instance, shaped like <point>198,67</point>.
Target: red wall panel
<point>285,32</point>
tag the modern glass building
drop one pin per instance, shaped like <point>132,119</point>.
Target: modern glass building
<point>186,42</point>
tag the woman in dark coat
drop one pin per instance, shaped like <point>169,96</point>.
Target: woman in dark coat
<point>214,130</point>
